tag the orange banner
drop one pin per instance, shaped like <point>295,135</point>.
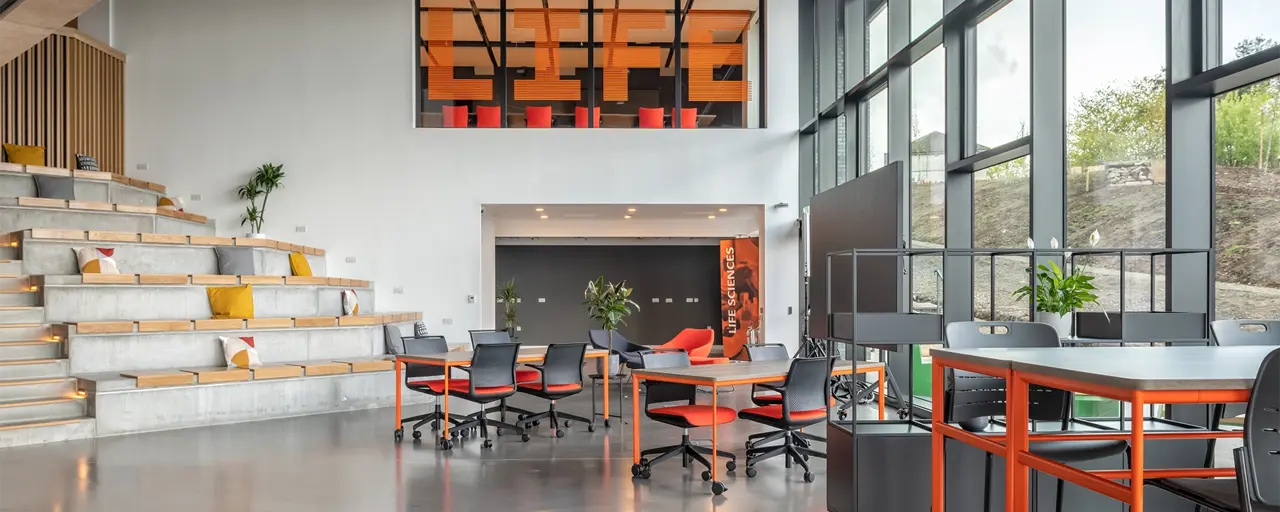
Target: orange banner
<point>739,292</point>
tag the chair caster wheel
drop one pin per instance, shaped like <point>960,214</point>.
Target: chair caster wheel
<point>706,476</point>
<point>606,423</point>
<point>645,473</point>
<point>566,423</point>
<point>521,417</point>
<point>537,423</point>
<point>399,435</point>
<point>805,457</point>
<point>902,415</point>
<point>808,477</point>
<point>635,470</point>
<point>751,472</point>
<point>591,428</point>
<point>559,434</point>
<point>524,437</point>
<point>453,435</point>
<point>487,444</point>
<point>417,435</point>
<point>644,461</point>
<point>717,488</point>
<point>498,432</point>
<point>730,466</point>
<point>466,433</point>
<point>446,445</point>
<point>843,415</point>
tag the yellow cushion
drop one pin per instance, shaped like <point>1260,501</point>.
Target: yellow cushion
<point>299,264</point>
<point>25,155</point>
<point>231,301</point>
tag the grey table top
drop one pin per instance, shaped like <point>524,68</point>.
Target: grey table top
<point>531,354</point>
<point>1128,368</point>
<point>759,371</point>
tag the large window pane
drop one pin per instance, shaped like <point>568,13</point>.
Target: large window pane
<point>1247,220</point>
<point>715,43</point>
<point>1004,75</point>
<point>875,134</point>
<point>546,62</point>
<point>842,149</point>
<point>924,13</point>
<point>1249,26</point>
<point>878,37</point>
<point>634,66</point>
<point>1116,142</point>
<point>1001,219</point>
<point>928,176</point>
<point>455,71</point>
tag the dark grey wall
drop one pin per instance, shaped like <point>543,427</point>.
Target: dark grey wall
<point>560,273</point>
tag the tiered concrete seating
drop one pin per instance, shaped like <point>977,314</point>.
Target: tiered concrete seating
<point>48,252</point>
<point>104,201</point>
<point>18,181</point>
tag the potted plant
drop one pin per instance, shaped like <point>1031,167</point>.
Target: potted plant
<point>508,297</point>
<point>265,179</point>
<point>609,304</point>
<point>1058,293</point>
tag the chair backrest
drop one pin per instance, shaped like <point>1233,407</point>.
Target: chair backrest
<point>807,386</point>
<point>1237,333</point>
<point>488,116</point>
<point>970,395</point>
<point>601,340</point>
<point>663,392</point>
<point>697,342</point>
<point>651,117</point>
<point>424,346</point>
<point>769,352</point>
<point>580,119</point>
<point>455,116</point>
<point>563,364</point>
<point>488,336</point>
<point>1261,436</point>
<point>537,117</point>
<point>392,338</point>
<point>494,365</point>
<point>688,118</point>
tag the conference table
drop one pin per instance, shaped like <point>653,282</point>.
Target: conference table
<point>735,373</point>
<point>447,360</point>
<point>1138,375</point>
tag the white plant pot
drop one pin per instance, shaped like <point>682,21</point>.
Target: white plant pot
<point>255,235</point>
<point>1062,324</point>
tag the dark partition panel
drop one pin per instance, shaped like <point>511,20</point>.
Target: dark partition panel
<point>557,275</point>
<point>863,213</point>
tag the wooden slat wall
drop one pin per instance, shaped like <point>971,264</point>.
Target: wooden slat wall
<point>67,95</point>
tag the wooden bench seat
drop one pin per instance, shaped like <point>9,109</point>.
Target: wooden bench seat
<point>216,375</point>
<point>153,238</point>
<point>85,175</point>
<point>40,202</point>
<point>369,365</point>
<point>160,378</point>
<point>235,324</point>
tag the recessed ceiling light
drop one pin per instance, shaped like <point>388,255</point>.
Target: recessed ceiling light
<point>631,210</point>
<point>544,216</point>
<point>724,209</point>
<point>626,216</point>
<point>537,209</point>
<point>711,216</point>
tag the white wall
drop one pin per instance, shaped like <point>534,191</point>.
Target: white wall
<point>217,87</point>
<point>96,22</point>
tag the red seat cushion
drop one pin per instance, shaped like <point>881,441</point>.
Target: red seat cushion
<point>699,415</point>
<point>775,412</point>
<point>464,385</point>
<point>698,361</point>
<point>523,376</point>
<point>554,388</point>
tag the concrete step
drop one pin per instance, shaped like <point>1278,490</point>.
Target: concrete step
<point>21,314</point>
<point>26,350</point>
<point>25,332</point>
<point>33,369</point>
<point>18,218</point>
<point>96,190</point>
<point>14,281</point>
<point>32,389</point>
<point>8,254</point>
<point>18,297</point>
<point>11,267</point>
<point>42,409</point>
<point>23,433</point>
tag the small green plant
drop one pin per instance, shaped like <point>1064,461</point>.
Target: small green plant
<point>265,180</point>
<point>609,304</point>
<point>509,298</point>
<point>1059,292</point>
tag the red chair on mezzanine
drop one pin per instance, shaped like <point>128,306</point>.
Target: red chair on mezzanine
<point>580,117</point>
<point>688,118</point>
<point>455,116</point>
<point>651,117</point>
<point>488,116</point>
<point>697,343</point>
<point>537,117</point>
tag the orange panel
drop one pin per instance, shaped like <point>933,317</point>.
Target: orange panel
<point>739,291</point>
<point>547,84</point>
<point>619,58</point>
<point>705,55</point>
<point>438,58</point>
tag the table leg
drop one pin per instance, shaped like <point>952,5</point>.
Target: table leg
<point>1136,467</point>
<point>635,420</point>
<point>399,427</point>
<point>939,441</point>
<point>444,432</point>
<point>881,394</point>
<point>1016,419</point>
<point>715,439</point>
<point>605,373</point>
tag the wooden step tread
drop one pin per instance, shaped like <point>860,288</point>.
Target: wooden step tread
<point>197,376</point>
<point>236,324</point>
<point>39,202</point>
<point>39,401</point>
<point>29,382</point>
<point>39,424</point>
<point>19,326</point>
<point>25,343</point>
<point>207,279</point>
<point>16,362</point>
<point>165,239</point>
<point>160,378</point>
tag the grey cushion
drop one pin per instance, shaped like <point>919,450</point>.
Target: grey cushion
<point>394,340</point>
<point>419,329</point>
<point>56,187</point>
<point>235,261</point>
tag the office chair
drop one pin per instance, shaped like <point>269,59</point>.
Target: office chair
<point>1257,462</point>
<point>561,378</point>
<point>491,378</point>
<point>686,416</point>
<point>971,399</point>
<point>805,398</point>
<point>416,375</point>
<point>769,352</point>
<point>629,354</point>
<point>697,342</point>
<point>489,336</point>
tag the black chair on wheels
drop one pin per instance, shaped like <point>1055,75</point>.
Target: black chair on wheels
<point>972,399</point>
<point>491,378</point>
<point>804,400</point>
<point>1255,487</point>
<point>629,355</point>
<point>490,336</point>
<point>561,371</point>
<point>770,395</point>
<point>416,378</point>
<point>688,414</point>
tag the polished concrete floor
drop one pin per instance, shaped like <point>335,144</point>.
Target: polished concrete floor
<point>349,461</point>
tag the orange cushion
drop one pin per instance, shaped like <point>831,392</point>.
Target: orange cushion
<point>699,415</point>
<point>537,117</point>
<point>775,411</point>
<point>651,117</point>
<point>698,361</point>
<point>523,376</point>
<point>554,388</point>
<point>488,116</point>
<point>462,385</point>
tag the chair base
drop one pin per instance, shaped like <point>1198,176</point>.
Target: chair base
<point>795,449</point>
<point>555,416</point>
<point>619,378</point>
<point>480,421</point>
<point>687,451</point>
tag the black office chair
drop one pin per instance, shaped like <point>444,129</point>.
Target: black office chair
<point>1255,487</point>
<point>561,371</point>
<point>687,415</point>
<point>629,355</point>
<point>416,379</point>
<point>771,396</point>
<point>805,397</point>
<point>491,336</point>
<point>972,399</point>
<point>491,378</point>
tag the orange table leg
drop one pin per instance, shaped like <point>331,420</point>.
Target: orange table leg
<point>605,373</point>
<point>1016,418</point>
<point>715,432</point>
<point>444,432</point>
<point>635,418</point>
<point>939,466</point>
<point>881,391</point>
<point>399,428</point>
<point>1136,478</point>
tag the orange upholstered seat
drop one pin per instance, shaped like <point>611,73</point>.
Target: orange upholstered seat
<point>775,412</point>
<point>456,385</point>
<point>696,415</point>
<point>554,388</point>
<point>697,342</point>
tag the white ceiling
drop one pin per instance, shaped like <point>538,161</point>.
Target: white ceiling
<point>579,212</point>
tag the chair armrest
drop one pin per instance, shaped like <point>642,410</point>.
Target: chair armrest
<point>1245,480</point>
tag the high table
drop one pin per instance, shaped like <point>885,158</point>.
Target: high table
<point>731,374</point>
<point>1139,375</point>
<point>463,358</point>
